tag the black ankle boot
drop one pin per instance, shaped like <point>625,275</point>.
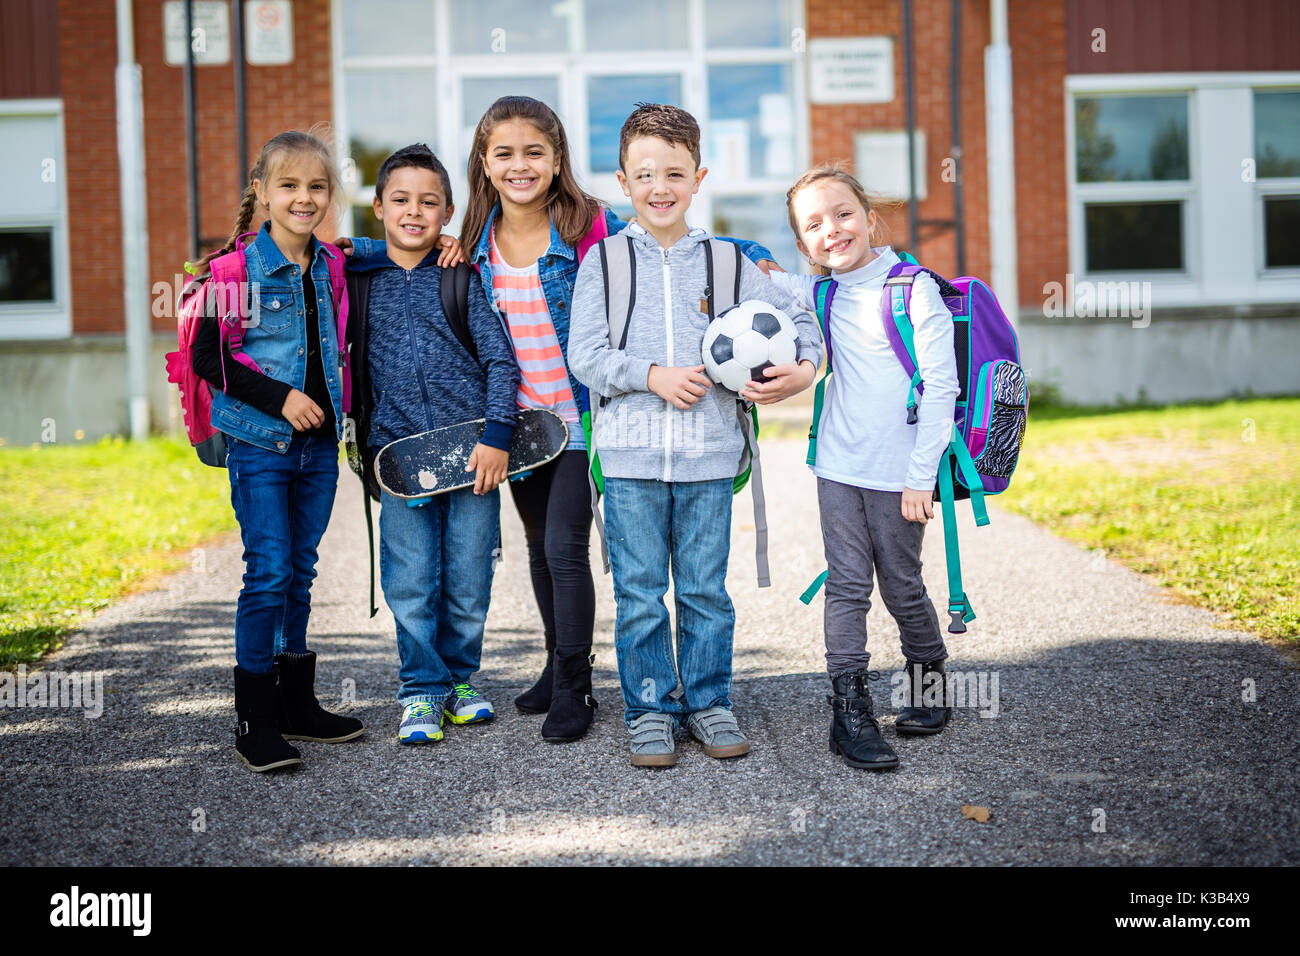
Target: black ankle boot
<point>300,713</point>
<point>257,741</point>
<point>855,734</point>
<point>572,705</point>
<point>915,719</point>
<point>537,699</point>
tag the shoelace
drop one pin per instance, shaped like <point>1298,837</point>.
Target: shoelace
<point>465,692</point>
<point>419,710</point>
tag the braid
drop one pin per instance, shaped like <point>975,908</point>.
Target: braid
<point>242,221</point>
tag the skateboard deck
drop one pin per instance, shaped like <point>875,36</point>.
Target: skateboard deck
<point>433,462</point>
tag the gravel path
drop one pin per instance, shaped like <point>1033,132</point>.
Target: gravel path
<point>1120,736</point>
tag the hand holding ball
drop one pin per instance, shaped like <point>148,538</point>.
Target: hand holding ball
<point>746,339</point>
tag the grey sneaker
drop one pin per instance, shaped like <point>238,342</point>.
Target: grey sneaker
<point>716,728</point>
<point>652,741</point>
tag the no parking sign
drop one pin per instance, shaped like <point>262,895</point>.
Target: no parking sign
<point>268,31</point>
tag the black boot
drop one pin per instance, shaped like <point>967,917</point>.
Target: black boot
<point>300,713</point>
<point>257,741</point>
<point>572,705</point>
<point>537,699</point>
<point>915,719</point>
<point>855,734</point>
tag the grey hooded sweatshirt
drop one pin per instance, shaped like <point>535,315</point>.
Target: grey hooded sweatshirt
<point>637,433</point>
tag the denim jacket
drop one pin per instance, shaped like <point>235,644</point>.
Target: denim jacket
<point>276,339</point>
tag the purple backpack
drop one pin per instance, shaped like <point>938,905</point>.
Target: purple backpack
<point>990,413</point>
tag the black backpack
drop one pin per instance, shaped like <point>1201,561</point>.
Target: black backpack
<point>454,289</point>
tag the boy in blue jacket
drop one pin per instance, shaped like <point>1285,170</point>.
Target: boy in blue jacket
<point>418,374</point>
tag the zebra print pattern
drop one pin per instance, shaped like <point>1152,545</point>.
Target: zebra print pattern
<point>1007,424</point>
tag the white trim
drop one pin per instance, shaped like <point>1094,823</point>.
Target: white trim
<point>1152,82</point>
<point>30,107</point>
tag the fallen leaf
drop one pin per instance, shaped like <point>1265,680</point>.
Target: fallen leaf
<point>978,814</point>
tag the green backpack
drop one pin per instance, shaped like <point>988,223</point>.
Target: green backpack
<point>618,268</point>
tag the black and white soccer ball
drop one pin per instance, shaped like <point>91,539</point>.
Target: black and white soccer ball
<point>747,338</point>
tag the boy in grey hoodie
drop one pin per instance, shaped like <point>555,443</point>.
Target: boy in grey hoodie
<point>669,444</point>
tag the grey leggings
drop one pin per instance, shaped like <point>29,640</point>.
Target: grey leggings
<point>862,528</point>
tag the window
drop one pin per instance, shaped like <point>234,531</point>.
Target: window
<point>27,265</point>
<point>425,70</point>
<point>34,280</point>
<point>1190,182</point>
<point>1132,170</point>
<point>1277,170</point>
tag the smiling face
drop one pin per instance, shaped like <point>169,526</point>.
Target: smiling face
<point>834,230</point>
<point>660,178</point>
<point>520,162</point>
<point>413,209</point>
<point>296,196</point>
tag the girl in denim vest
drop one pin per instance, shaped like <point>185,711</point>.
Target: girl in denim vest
<point>282,426</point>
<point>526,228</point>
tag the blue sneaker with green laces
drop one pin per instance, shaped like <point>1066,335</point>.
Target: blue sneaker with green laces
<point>464,706</point>
<point>421,724</point>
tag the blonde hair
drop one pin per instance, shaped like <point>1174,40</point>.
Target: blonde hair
<point>278,151</point>
<point>878,229</point>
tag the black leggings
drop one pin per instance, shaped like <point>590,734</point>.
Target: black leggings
<point>555,507</point>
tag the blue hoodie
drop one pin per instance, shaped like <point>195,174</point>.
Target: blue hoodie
<point>421,377</point>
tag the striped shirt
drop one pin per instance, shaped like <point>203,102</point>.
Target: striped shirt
<point>543,376</point>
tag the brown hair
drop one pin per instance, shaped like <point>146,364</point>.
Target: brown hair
<point>571,209</point>
<point>672,124</point>
<point>878,235</point>
<point>278,151</point>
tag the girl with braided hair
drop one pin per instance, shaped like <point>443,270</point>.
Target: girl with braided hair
<point>282,422</point>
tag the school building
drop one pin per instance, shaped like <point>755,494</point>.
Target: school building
<point>1126,175</point>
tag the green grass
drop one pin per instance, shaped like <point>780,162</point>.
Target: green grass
<point>1201,497</point>
<point>86,524</point>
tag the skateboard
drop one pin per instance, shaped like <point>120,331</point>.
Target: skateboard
<point>433,462</point>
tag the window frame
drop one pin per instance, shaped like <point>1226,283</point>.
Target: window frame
<point>1270,187</point>
<point>573,71</point>
<point>1220,136</point>
<point>42,320</point>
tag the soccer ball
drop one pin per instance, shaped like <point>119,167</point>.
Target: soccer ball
<point>743,341</point>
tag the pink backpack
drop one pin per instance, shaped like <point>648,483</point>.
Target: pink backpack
<point>228,281</point>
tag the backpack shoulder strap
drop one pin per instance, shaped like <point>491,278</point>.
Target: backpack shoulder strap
<point>454,291</point>
<point>823,297</point>
<point>618,271</point>
<point>598,231</point>
<point>722,268</point>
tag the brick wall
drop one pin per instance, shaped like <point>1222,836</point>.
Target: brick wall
<point>1038,73</point>
<point>87,58</point>
<point>295,96</point>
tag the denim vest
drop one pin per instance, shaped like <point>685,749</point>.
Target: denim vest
<point>276,339</point>
<point>556,269</point>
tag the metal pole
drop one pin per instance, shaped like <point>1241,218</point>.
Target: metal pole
<point>135,225</point>
<point>954,100</point>
<point>241,114</point>
<point>1000,124</point>
<point>908,82</point>
<point>191,129</point>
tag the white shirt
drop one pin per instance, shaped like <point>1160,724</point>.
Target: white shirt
<point>863,438</point>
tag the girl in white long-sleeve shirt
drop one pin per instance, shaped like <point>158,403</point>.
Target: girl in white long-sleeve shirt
<point>875,472</point>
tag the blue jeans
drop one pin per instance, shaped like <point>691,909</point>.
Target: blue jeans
<point>435,564</point>
<point>283,503</point>
<point>650,524</point>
